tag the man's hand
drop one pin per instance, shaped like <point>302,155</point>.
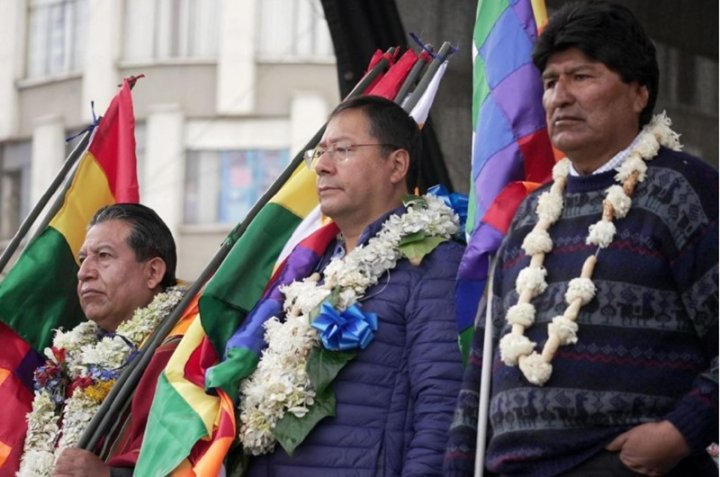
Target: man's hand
<point>74,462</point>
<point>651,449</point>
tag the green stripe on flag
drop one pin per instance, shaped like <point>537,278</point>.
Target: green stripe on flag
<point>481,89</point>
<point>465,341</point>
<point>488,12</point>
<point>39,294</point>
<point>164,449</point>
<point>240,280</point>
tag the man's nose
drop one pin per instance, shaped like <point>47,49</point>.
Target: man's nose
<point>560,94</point>
<point>86,270</point>
<point>324,163</point>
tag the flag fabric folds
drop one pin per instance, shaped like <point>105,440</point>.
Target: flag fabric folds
<point>39,293</point>
<point>196,420</point>
<point>511,151</point>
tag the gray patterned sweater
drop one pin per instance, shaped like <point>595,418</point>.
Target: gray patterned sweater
<point>648,342</point>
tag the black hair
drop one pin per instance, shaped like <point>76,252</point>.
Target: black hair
<point>606,32</point>
<point>389,124</point>
<point>149,237</point>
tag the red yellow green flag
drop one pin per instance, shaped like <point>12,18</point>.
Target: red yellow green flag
<point>39,293</point>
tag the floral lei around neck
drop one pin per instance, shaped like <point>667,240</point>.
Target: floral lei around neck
<point>515,347</point>
<point>327,313</point>
<point>82,366</point>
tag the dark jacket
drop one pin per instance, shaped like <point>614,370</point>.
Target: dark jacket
<point>395,399</point>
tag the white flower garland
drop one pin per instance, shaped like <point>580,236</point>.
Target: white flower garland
<point>515,347</point>
<point>280,383</point>
<point>77,359</point>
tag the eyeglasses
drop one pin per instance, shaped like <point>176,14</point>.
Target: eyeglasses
<point>337,153</point>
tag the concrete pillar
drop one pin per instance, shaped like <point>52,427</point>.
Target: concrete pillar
<point>102,50</point>
<point>12,61</point>
<point>163,169</point>
<point>308,112</point>
<point>236,57</point>
<point>48,154</point>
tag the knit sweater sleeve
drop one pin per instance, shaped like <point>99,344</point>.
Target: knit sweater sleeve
<point>695,270</point>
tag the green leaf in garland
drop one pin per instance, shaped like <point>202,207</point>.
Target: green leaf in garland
<point>416,250</point>
<point>411,238</point>
<point>415,200</point>
<point>291,431</point>
<point>322,368</point>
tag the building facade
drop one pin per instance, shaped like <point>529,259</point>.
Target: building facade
<point>233,89</point>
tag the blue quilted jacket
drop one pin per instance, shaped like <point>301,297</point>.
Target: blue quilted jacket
<point>396,398</point>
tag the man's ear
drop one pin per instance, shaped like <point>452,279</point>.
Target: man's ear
<point>399,162</point>
<point>154,272</point>
<point>642,98</point>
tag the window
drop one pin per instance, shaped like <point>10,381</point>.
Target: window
<point>163,29</point>
<point>56,36</point>
<point>14,187</point>
<point>222,186</point>
<point>294,29</point>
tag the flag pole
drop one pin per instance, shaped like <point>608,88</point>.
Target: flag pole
<point>128,380</point>
<point>410,80</point>
<point>42,202</point>
<point>445,50</point>
<point>486,376</point>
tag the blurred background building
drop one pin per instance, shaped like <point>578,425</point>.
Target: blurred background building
<point>234,88</point>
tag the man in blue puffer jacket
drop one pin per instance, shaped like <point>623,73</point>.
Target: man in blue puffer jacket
<point>395,399</point>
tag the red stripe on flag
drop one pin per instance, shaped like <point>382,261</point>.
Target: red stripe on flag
<point>114,146</point>
<point>199,361</point>
<point>538,156</point>
<point>501,212</point>
<point>15,396</point>
<point>389,85</point>
<point>208,456</point>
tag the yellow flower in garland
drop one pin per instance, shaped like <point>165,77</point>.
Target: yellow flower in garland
<point>98,391</point>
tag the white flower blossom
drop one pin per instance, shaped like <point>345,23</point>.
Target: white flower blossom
<point>532,279</point>
<point>561,169</point>
<point>522,314</point>
<point>512,346</point>
<point>630,165</point>
<point>582,288</point>
<point>549,206</point>
<point>537,241</point>
<point>601,233</point>
<point>535,369</point>
<point>647,145</point>
<point>564,328</point>
<point>619,200</point>
<point>660,128</point>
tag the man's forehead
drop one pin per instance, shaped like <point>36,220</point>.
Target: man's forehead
<point>348,124</point>
<point>572,58</point>
<point>111,233</point>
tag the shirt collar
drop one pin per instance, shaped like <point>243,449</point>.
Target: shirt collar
<point>610,165</point>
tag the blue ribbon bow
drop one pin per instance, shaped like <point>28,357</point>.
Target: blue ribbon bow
<point>347,330</point>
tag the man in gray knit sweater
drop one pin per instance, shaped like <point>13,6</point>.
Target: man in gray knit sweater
<point>605,295</point>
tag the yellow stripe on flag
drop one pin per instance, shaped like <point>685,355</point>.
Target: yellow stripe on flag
<point>82,203</point>
<point>298,194</point>
<point>204,405</point>
<point>540,13</point>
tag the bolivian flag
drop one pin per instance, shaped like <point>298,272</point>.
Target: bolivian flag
<point>189,431</point>
<point>39,294</point>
